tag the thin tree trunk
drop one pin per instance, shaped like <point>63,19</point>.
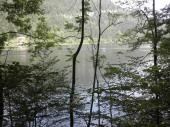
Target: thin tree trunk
<point>1,99</point>
<point>10,111</point>
<point>110,98</point>
<point>155,38</point>
<point>155,55</point>
<point>1,105</point>
<point>96,65</point>
<point>74,69</point>
<point>2,92</point>
<point>98,98</point>
<point>98,94</point>
<point>111,106</point>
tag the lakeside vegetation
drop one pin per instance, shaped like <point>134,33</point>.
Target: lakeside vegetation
<point>125,88</point>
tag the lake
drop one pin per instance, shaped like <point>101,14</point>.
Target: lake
<point>114,54</point>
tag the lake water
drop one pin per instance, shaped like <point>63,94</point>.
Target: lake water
<point>84,75</point>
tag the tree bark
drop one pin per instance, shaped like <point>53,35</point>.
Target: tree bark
<point>74,68</point>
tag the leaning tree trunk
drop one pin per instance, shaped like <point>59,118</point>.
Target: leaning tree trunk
<point>74,68</point>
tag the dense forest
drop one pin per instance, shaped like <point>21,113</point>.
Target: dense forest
<point>84,63</point>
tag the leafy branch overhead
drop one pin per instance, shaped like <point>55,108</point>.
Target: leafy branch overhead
<point>19,12</point>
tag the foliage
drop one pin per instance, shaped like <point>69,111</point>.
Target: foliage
<point>45,38</point>
<point>136,94</point>
<point>30,97</point>
<point>78,19</point>
<point>18,12</point>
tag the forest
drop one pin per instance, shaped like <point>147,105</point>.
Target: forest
<point>84,63</point>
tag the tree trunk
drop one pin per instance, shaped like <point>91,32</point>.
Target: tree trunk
<point>10,110</point>
<point>74,69</point>
<point>96,65</point>
<point>1,106</point>
<point>98,98</point>
<point>2,85</point>
<point>155,55</point>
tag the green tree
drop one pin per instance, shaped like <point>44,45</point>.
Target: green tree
<point>140,95</point>
<point>38,95</point>
<point>18,12</point>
